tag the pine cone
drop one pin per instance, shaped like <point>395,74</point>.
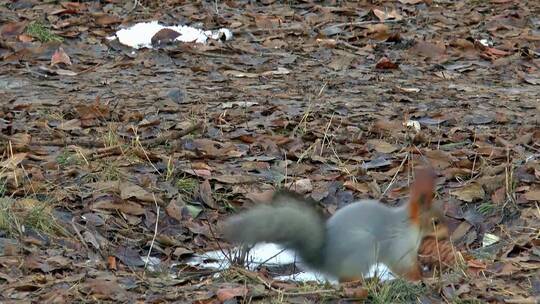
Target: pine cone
<point>434,253</point>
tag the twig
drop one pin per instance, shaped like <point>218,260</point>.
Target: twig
<point>171,135</point>
<point>345,43</point>
<point>138,142</point>
<point>395,175</point>
<point>68,142</point>
<point>265,30</point>
<point>104,152</point>
<point>155,233</point>
<point>79,234</point>
<point>34,72</point>
<point>225,254</point>
<point>358,23</point>
<point>269,286</point>
<point>135,3</point>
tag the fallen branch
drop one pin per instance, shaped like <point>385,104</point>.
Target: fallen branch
<point>171,135</point>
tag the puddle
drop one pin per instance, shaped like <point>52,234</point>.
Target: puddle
<point>274,256</point>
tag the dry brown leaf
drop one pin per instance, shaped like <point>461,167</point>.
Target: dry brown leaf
<point>111,262</point>
<point>174,210</point>
<point>355,186</point>
<point>439,159</point>
<point>301,186</point>
<point>20,140</point>
<point>105,289</point>
<point>205,191</point>
<point>437,253</point>
<point>429,49</point>
<point>12,29</point>
<point>469,193</point>
<point>386,64</point>
<point>260,197</point>
<point>125,207</point>
<point>60,56</point>
<point>360,292</point>
<point>378,31</point>
<point>12,162</point>
<point>533,195</point>
<point>164,36</point>
<point>386,15</point>
<point>461,231</point>
<point>499,196</point>
<point>225,294</point>
<point>70,125</point>
<point>411,1</point>
<point>107,20</point>
<point>129,190</point>
<point>236,179</point>
<point>382,146</point>
<point>181,251</point>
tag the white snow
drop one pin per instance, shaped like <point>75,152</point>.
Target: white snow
<point>140,35</point>
<point>272,254</point>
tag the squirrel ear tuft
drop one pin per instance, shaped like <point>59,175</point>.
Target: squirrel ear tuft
<point>423,187</point>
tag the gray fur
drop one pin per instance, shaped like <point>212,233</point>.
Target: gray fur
<point>347,245</point>
<point>288,222</point>
<point>367,232</point>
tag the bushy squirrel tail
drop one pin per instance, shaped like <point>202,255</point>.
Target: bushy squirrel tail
<point>288,221</point>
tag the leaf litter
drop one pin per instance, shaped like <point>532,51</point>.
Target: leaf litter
<point>117,166</point>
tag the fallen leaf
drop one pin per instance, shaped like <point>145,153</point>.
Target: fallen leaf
<point>129,190</point>
<point>240,104</point>
<point>301,186</point>
<point>355,186</point>
<point>12,162</point>
<point>378,162</point>
<point>461,231</point>
<point>124,207</point>
<point>111,262</point>
<point>386,64</point>
<point>128,256</point>
<point>499,196</point>
<point>164,36</point>
<point>105,289</point>
<point>385,15</point>
<point>60,56</point>
<point>181,251</point>
<point>236,179</point>
<point>12,29</point>
<point>70,125</point>
<point>382,146</point>
<point>469,193</point>
<point>193,210</point>
<point>504,268</point>
<point>411,1</point>
<point>107,20</point>
<point>205,191</point>
<point>174,209</point>
<point>225,294</point>
<point>355,292</point>
<point>429,49</point>
<point>439,159</point>
<point>532,195</point>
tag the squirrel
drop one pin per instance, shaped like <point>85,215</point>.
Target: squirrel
<point>356,237</point>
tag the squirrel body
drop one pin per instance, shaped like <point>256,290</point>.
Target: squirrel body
<point>356,237</point>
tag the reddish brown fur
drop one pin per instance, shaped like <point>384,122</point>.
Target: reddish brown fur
<point>421,194</point>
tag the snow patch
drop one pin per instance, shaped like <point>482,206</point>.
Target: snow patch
<point>140,35</point>
<point>275,255</point>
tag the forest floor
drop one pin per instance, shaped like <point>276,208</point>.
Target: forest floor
<point>109,154</point>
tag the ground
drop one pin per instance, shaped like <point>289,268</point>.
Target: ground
<point>110,154</point>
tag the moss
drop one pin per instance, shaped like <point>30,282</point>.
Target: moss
<point>41,32</point>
